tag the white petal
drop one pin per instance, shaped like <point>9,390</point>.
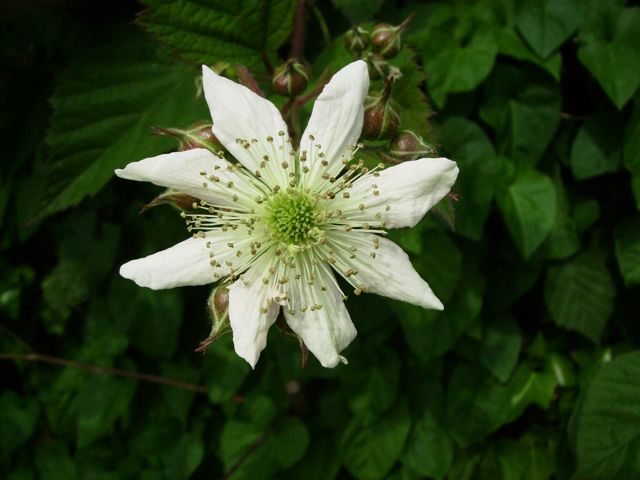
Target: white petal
<point>240,114</point>
<point>184,171</point>
<point>327,331</point>
<point>249,321</point>
<point>186,263</point>
<point>403,193</point>
<point>389,273</point>
<point>336,122</point>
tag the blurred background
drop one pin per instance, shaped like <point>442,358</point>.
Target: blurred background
<point>531,372</point>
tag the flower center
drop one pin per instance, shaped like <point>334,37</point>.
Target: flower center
<point>293,218</point>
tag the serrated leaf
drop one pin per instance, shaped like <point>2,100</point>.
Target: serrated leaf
<point>547,24</point>
<point>216,31</point>
<point>608,422</point>
<point>610,49</point>
<point>596,149</point>
<point>580,294</point>
<point>529,208</point>
<point>458,49</point>
<point>523,107</point>
<point>104,108</point>
<point>627,247</point>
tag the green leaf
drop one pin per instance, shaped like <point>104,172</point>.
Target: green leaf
<point>466,143</point>
<point>429,333</point>
<point>224,371</point>
<point>596,149</point>
<point>528,458</point>
<point>546,24</point>
<point>104,108</point>
<point>627,247</point>
<point>258,454</point>
<point>610,49</point>
<point>529,207</point>
<point>18,418</point>
<point>477,404</point>
<point>580,294</point>
<point>523,107</point>
<point>53,462</point>
<point>358,10</point>
<point>563,241</point>
<point>211,32</point>
<point>152,318</point>
<point>458,49</point>
<point>320,462</point>
<point>86,253</point>
<point>372,384</point>
<point>290,442</point>
<point>500,347</point>
<point>631,148</point>
<point>370,451</point>
<point>101,401</point>
<point>185,456</point>
<point>511,45</point>
<point>608,422</point>
<point>429,450</point>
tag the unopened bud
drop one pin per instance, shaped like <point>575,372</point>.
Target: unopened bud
<point>178,200</point>
<point>199,135</point>
<point>407,145</point>
<point>218,307</point>
<point>356,40</point>
<point>380,118</point>
<point>387,39</point>
<point>290,78</point>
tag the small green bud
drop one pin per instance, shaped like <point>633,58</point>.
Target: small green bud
<point>199,135</point>
<point>407,145</point>
<point>218,307</point>
<point>290,78</point>
<point>356,40</point>
<point>380,118</point>
<point>387,39</point>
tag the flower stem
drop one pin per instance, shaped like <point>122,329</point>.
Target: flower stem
<point>297,39</point>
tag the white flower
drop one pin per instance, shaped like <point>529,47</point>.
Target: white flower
<point>278,224</point>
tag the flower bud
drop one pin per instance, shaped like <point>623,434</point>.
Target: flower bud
<point>387,39</point>
<point>218,307</point>
<point>380,118</point>
<point>290,78</point>
<point>356,40</point>
<point>198,135</point>
<point>174,198</point>
<point>407,145</point>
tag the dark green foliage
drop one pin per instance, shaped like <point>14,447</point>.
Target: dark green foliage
<point>530,373</point>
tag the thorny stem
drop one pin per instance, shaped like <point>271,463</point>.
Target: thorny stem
<point>143,377</point>
<point>297,39</point>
